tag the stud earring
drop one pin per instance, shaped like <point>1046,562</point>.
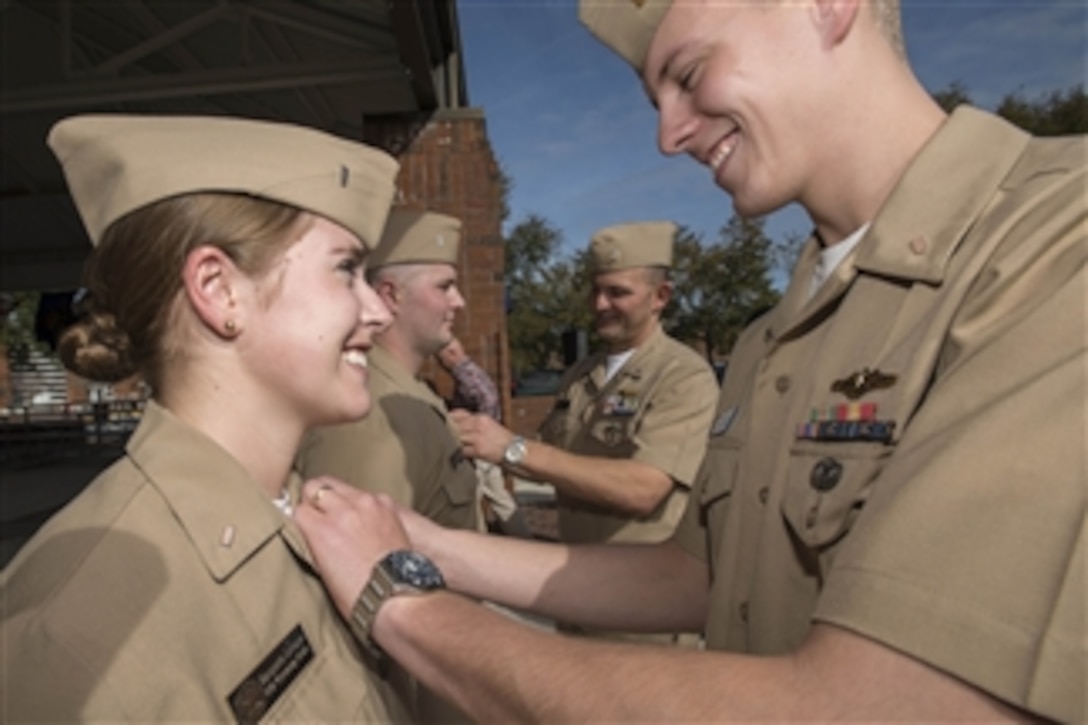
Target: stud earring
<point>230,327</point>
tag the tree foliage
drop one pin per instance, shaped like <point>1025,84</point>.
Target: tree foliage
<point>17,312</point>
<point>1055,113</point>
<point>1052,114</point>
<point>545,294</point>
<point>719,287</point>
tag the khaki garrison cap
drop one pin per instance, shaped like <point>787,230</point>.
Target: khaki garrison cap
<point>116,164</point>
<point>641,244</point>
<point>625,26</point>
<point>417,237</point>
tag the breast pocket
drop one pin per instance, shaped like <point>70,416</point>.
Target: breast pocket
<point>827,488</point>
<point>612,436</point>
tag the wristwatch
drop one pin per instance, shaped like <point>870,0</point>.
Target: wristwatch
<point>399,572</point>
<point>515,451</point>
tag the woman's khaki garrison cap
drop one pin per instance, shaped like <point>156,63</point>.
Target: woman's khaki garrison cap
<point>116,164</point>
<point>625,26</point>
<point>639,244</point>
<point>417,237</point>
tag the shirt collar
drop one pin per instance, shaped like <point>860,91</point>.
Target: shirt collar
<point>226,515</point>
<point>919,227</point>
<point>385,364</point>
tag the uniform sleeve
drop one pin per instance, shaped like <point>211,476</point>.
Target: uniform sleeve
<point>673,433</point>
<point>970,553</point>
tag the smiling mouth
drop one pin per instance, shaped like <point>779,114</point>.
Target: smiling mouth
<point>723,151</point>
<point>356,357</point>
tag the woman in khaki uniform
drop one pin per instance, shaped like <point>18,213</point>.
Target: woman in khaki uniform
<point>228,271</point>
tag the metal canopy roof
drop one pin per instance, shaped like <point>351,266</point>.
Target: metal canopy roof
<point>328,64</point>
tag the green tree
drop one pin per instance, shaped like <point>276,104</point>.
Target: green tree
<point>18,310</point>
<point>1054,113</point>
<point>544,294</point>
<point>954,95</point>
<point>719,287</point>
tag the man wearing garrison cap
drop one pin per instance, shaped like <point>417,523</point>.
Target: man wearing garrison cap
<point>629,426</point>
<point>889,522</point>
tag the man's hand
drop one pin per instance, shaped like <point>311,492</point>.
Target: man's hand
<point>482,437</point>
<point>348,532</point>
<point>452,355</point>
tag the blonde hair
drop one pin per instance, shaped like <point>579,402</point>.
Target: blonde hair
<point>134,277</point>
<point>889,20</point>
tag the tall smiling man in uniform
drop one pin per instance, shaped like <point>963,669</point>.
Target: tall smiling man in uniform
<point>404,447</point>
<point>629,427</point>
<point>890,520</point>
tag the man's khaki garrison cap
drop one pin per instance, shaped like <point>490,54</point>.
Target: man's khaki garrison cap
<point>417,237</point>
<point>116,164</point>
<point>640,244</point>
<point>625,26</point>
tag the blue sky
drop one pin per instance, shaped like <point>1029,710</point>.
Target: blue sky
<point>572,128</point>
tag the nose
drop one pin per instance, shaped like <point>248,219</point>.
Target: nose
<point>457,300</point>
<point>676,126</point>
<point>601,301</point>
<point>372,313</point>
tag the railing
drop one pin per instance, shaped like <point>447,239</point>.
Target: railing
<point>40,434</point>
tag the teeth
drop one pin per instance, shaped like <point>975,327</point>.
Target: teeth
<point>355,357</point>
<point>721,154</point>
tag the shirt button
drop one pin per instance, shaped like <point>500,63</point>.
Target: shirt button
<point>764,494</point>
<point>768,335</point>
<point>825,474</point>
<point>743,611</point>
<point>782,383</point>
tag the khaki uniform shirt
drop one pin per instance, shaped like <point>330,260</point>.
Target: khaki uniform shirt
<point>404,447</point>
<point>656,410</point>
<point>942,510</point>
<point>172,589</point>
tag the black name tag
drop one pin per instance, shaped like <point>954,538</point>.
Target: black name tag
<point>258,692</point>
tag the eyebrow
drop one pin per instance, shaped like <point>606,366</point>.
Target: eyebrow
<point>669,60</point>
<point>358,252</point>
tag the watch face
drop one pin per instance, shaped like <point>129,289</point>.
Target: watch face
<point>515,452</point>
<point>414,569</point>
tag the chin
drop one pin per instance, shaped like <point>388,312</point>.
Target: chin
<point>356,411</point>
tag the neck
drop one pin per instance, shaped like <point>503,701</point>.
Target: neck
<point>618,347</point>
<point>225,411</point>
<point>869,148</point>
<point>400,349</point>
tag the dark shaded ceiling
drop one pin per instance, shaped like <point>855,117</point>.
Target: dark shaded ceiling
<point>328,64</point>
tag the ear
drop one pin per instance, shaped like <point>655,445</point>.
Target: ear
<point>834,19</point>
<point>662,295</point>
<point>386,289</point>
<point>211,282</point>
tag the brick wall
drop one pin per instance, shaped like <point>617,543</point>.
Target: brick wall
<point>447,166</point>
<point>527,413</point>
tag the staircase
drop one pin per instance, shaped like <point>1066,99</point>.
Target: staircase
<point>36,379</point>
